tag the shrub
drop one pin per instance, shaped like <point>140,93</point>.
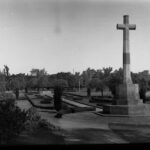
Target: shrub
<point>6,96</point>
<point>34,121</point>
<point>12,120</point>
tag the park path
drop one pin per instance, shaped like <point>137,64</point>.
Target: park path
<point>88,127</point>
<point>77,128</point>
<point>83,128</point>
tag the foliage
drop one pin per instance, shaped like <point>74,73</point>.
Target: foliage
<point>90,78</point>
<point>17,81</point>
<point>6,96</point>
<point>7,77</point>
<point>67,76</point>
<point>42,81</point>
<point>87,75</point>
<point>89,92</point>
<point>33,82</point>
<point>12,120</point>
<point>100,79</point>
<point>34,121</point>
<point>39,78</point>
<point>2,82</point>
<point>114,80</point>
<point>59,86</point>
<point>143,81</point>
<point>143,89</point>
<point>57,97</point>
<point>6,70</point>
<point>93,83</point>
<point>60,83</point>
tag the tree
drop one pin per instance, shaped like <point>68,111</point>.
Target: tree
<point>114,80</point>
<point>33,82</point>
<point>143,88</point>
<point>100,79</point>
<point>41,79</point>
<point>6,70</point>
<point>87,76</point>
<point>59,86</point>
<point>76,79</point>
<point>143,80</point>
<point>2,82</point>
<point>107,71</point>
<point>17,83</point>
<point>67,76</point>
<point>101,86</point>
<point>28,82</point>
<point>7,76</point>
<point>93,83</point>
<point>98,84</point>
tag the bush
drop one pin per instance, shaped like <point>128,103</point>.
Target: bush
<point>6,96</point>
<point>12,120</point>
<point>34,121</point>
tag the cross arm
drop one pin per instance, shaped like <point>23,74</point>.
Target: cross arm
<point>120,26</point>
<point>132,26</point>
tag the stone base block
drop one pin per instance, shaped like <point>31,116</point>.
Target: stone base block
<point>127,94</point>
<point>130,110</point>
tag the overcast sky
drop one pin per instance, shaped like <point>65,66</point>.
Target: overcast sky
<point>62,35</point>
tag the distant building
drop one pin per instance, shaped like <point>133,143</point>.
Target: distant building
<point>34,72</point>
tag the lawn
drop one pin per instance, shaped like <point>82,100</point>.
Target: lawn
<point>84,93</point>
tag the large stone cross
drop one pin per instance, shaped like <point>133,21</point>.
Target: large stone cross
<point>126,53</point>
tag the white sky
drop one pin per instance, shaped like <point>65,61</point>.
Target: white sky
<point>60,35</point>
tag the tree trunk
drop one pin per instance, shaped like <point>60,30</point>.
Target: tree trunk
<point>38,89</point>
<point>89,94</point>
<point>17,94</point>
<point>143,94</point>
<point>102,91</point>
<point>26,90</point>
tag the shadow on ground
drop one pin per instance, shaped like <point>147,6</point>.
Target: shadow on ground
<point>132,133</point>
<point>40,137</point>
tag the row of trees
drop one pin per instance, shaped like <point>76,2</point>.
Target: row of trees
<point>90,78</point>
<point>107,78</point>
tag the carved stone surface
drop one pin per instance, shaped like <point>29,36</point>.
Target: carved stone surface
<point>127,94</point>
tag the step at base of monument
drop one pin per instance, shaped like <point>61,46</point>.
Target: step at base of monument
<point>130,110</point>
<point>128,101</point>
<point>118,115</point>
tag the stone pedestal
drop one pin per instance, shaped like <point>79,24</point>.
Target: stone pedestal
<point>127,102</point>
<point>127,94</point>
<point>127,110</point>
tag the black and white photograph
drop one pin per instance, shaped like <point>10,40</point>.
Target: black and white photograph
<point>74,72</point>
